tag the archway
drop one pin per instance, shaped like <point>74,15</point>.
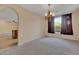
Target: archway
<point>9,23</point>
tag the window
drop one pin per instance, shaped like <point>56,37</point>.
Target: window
<point>62,24</point>
<point>57,24</point>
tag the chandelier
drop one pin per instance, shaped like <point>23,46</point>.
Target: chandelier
<point>49,14</point>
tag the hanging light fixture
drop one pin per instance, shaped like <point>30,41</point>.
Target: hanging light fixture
<point>49,14</point>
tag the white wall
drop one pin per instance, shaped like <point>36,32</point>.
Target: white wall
<point>75,24</point>
<point>6,28</point>
<point>31,26</point>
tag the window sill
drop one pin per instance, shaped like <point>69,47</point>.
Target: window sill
<point>57,33</point>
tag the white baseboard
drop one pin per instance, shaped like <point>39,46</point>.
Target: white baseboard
<point>19,44</point>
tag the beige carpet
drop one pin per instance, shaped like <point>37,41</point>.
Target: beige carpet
<point>45,46</point>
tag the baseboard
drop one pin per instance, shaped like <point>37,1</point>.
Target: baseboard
<point>78,40</point>
<point>19,44</point>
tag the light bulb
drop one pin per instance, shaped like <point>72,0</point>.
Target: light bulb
<point>51,13</point>
<point>45,14</point>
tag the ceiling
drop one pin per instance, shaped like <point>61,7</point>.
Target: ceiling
<point>57,9</point>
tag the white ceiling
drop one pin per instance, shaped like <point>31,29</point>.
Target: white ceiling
<point>57,9</point>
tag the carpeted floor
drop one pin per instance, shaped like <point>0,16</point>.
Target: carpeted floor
<point>45,46</point>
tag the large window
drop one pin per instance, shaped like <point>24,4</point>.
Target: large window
<point>62,24</point>
<point>57,24</point>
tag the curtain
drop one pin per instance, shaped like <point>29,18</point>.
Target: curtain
<point>51,25</point>
<point>66,25</point>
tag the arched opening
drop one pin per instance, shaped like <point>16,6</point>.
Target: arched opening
<point>9,21</point>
